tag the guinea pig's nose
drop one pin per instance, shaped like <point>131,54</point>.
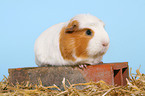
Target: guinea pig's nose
<point>105,44</point>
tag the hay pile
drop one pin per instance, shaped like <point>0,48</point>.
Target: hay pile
<point>135,87</point>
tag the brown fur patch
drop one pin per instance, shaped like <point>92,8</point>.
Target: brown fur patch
<point>74,41</point>
<point>72,26</point>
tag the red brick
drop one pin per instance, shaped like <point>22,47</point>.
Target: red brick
<point>111,73</point>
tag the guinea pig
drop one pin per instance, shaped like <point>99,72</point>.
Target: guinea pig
<point>81,40</point>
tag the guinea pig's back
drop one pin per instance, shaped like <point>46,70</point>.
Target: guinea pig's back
<point>47,46</point>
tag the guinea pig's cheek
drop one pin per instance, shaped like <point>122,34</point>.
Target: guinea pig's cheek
<point>91,48</point>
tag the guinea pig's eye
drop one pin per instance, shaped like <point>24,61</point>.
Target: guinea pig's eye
<point>89,32</point>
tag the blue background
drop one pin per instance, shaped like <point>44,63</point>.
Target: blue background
<point>22,21</point>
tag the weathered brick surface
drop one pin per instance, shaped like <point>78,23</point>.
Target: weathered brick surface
<point>112,73</point>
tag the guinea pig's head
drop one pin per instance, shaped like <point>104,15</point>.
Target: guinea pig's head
<point>83,36</point>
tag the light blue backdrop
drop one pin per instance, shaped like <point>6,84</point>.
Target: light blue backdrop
<point>22,21</point>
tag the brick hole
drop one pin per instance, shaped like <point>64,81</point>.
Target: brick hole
<point>117,77</point>
<point>124,75</point>
<point>123,70</point>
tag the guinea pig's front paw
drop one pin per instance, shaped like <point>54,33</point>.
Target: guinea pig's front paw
<point>83,66</point>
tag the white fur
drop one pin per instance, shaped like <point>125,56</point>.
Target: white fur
<point>47,45</point>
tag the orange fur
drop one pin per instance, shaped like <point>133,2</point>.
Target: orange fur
<point>73,39</point>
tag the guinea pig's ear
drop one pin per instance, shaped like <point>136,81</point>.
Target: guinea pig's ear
<point>72,26</point>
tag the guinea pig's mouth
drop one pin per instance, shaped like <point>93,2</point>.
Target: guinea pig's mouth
<point>102,52</point>
<point>99,54</point>
<point>97,51</point>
